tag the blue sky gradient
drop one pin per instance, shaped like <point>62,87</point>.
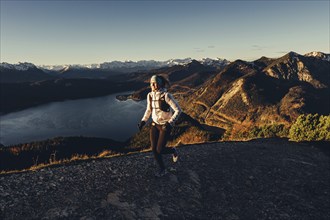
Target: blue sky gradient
<point>85,32</point>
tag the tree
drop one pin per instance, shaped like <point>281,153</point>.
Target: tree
<point>311,128</point>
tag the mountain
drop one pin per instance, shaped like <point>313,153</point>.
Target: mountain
<point>22,72</point>
<point>19,67</point>
<point>107,69</point>
<point>74,72</point>
<point>319,55</point>
<point>263,92</point>
<point>184,79</point>
<point>27,72</point>
<point>134,66</point>
<point>293,66</point>
<point>263,62</point>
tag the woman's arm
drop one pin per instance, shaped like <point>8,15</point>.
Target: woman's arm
<point>175,106</point>
<point>147,113</point>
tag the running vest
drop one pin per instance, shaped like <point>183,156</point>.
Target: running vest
<point>161,103</point>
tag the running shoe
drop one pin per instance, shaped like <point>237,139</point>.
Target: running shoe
<point>175,155</point>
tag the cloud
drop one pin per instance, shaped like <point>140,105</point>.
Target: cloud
<point>258,47</point>
<point>199,50</point>
<point>211,46</point>
<point>282,52</point>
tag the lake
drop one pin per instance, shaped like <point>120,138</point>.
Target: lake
<point>104,117</point>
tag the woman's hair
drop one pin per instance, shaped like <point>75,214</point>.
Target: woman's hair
<point>162,81</point>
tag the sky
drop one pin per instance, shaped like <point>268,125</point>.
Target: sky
<point>86,32</point>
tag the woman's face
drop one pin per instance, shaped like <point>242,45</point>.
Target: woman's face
<point>154,86</point>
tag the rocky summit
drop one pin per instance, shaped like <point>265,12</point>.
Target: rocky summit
<point>260,179</point>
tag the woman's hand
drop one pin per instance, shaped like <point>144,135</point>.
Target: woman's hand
<point>141,125</point>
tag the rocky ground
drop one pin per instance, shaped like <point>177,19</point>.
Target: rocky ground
<point>263,179</point>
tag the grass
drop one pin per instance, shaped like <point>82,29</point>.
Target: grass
<point>75,158</point>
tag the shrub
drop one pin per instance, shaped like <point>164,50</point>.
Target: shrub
<point>311,127</point>
<point>194,135</point>
<point>268,131</point>
<point>264,131</point>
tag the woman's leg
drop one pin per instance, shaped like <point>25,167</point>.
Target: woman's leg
<point>154,139</point>
<point>164,135</point>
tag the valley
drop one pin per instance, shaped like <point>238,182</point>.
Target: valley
<point>229,102</point>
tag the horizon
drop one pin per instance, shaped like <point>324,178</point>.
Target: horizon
<point>217,58</point>
<point>92,32</point>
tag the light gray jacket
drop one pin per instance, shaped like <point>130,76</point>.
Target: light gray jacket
<point>154,109</point>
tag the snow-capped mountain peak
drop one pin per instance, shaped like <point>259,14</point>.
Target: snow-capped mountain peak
<point>20,66</point>
<point>214,62</point>
<point>142,64</point>
<point>173,62</point>
<point>62,68</point>
<point>320,55</point>
<point>129,65</point>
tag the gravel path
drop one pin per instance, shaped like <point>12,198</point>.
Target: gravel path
<point>264,179</point>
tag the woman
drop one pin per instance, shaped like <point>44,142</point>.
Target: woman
<point>164,111</point>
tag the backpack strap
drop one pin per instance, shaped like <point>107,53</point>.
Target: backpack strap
<point>162,104</point>
<point>150,100</point>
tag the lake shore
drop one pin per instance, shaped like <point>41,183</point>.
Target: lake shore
<point>27,95</point>
<point>104,117</point>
